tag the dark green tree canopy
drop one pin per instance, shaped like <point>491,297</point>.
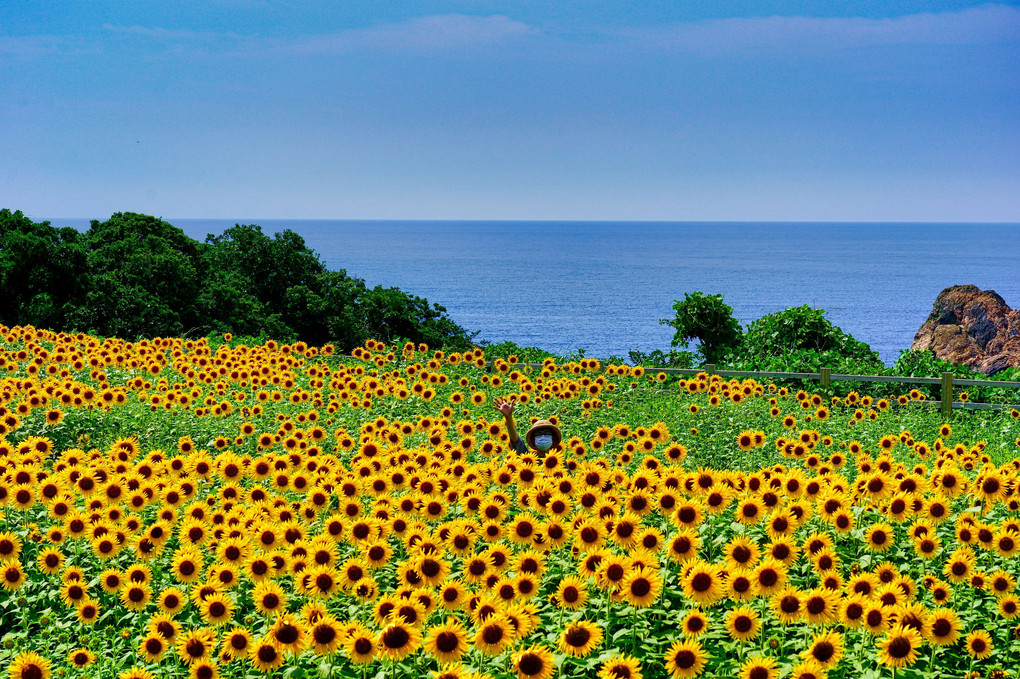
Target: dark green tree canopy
<point>134,275</point>
<point>42,270</point>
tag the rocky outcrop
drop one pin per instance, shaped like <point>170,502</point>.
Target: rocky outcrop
<point>972,327</point>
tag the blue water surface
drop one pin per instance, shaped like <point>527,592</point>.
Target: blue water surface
<point>603,286</point>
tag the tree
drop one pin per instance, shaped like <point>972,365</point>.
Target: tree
<point>392,314</point>
<point>145,279</point>
<point>42,271</point>
<point>707,319</point>
<point>135,275</point>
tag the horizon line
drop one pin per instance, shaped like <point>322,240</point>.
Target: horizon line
<point>253,220</point>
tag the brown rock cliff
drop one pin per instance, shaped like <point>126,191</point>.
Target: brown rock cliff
<point>972,327</point>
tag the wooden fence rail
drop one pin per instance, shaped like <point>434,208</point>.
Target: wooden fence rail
<point>826,377</point>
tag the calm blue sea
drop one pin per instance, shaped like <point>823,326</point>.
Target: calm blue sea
<point>603,286</point>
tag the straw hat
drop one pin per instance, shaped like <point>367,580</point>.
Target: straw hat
<point>535,428</point>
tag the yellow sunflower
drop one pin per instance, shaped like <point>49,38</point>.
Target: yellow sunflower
<point>533,662</point>
<point>703,583</point>
<point>641,588</point>
<point>237,642</point>
<point>30,665</point>
<point>942,627</point>
<point>899,647</point>
<point>979,644</point>
<point>685,659</point>
<point>398,640</point>
<point>580,638</point>
<point>361,645</point>
<point>447,642</point>
<point>742,623</point>
<point>217,609</point>
<point>152,647</point>
<point>826,649</point>
<point>195,645</point>
<point>621,667</point>
<point>759,667</point>
<point>325,635</point>
<point>289,633</point>
<point>265,656</point>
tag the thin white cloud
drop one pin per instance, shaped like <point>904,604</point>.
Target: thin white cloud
<point>435,32</point>
<point>428,33</point>
<point>987,24</point>
<point>169,34</point>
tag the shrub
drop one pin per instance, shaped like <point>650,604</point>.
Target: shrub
<point>707,319</point>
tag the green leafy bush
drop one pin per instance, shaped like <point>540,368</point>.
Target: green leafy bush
<point>662,359</point>
<point>707,319</point>
<point>803,329</point>
<point>523,354</point>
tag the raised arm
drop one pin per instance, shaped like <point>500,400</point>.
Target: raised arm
<point>507,409</point>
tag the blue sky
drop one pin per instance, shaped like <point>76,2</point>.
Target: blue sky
<point>471,109</point>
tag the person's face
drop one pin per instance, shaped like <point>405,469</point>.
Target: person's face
<point>543,439</point>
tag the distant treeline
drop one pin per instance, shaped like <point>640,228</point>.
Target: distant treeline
<point>138,276</point>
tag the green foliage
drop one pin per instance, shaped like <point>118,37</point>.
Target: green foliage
<point>396,315</point>
<point>803,329</point>
<point>707,319</point>
<point>661,359</point>
<point>801,360</point>
<point>524,354</point>
<point>42,270</point>
<point>924,363</point>
<point>801,340</point>
<point>144,278</point>
<point>138,276</point>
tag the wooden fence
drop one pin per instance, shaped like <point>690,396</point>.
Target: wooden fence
<point>826,377</point>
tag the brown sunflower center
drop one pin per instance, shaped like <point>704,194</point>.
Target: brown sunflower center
<point>684,659</point>
<point>577,636</point>
<point>396,637</point>
<point>324,634</point>
<point>287,634</point>
<point>900,648</point>
<point>530,664</point>
<point>701,582</point>
<point>640,587</point>
<point>195,648</point>
<point>492,634</point>
<point>447,642</point>
<point>823,651</point>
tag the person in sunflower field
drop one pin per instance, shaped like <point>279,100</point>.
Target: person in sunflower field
<point>542,437</point>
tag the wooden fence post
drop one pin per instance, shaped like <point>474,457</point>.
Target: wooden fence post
<point>947,394</point>
<point>710,368</point>
<point>826,377</point>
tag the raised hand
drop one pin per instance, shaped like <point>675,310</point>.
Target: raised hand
<point>504,406</point>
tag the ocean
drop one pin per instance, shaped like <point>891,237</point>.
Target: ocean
<point>603,286</point>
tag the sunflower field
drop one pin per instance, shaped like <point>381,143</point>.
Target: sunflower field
<point>205,508</point>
